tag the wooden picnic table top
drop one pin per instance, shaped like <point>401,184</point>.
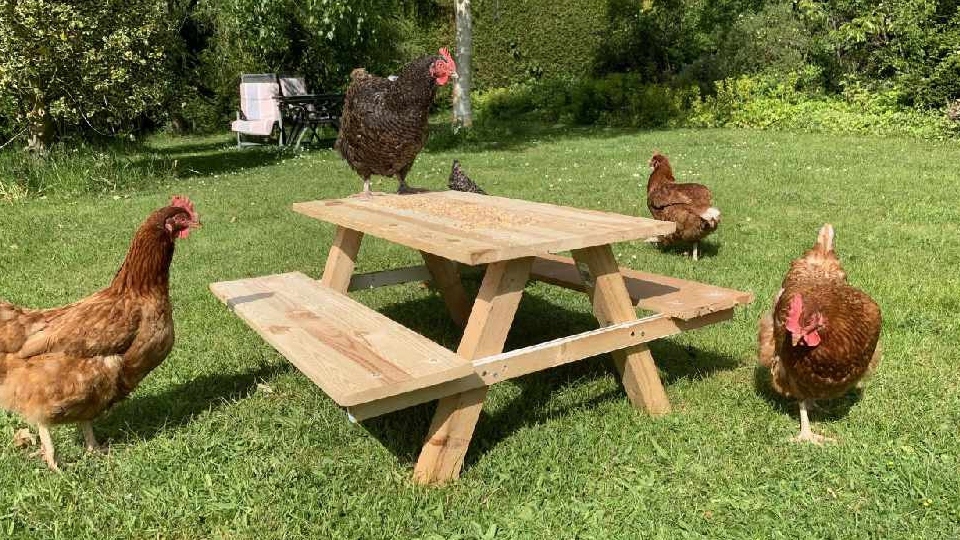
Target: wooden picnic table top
<point>477,229</point>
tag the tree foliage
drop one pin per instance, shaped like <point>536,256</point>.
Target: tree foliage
<point>320,39</point>
<point>99,64</point>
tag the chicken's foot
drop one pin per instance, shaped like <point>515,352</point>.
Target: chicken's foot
<point>23,438</point>
<point>46,447</point>
<point>90,439</point>
<point>406,189</point>
<point>366,193</point>
<point>807,434</point>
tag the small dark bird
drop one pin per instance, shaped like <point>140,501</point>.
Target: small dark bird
<point>459,181</point>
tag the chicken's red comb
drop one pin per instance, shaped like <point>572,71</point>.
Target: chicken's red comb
<point>793,324</point>
<point>446,54</point>
<point>181,201</point>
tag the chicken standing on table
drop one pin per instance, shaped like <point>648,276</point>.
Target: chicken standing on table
<point>69,364</point>
<point>687,205</point>
<point>821,338</point>
<point>384,122</point>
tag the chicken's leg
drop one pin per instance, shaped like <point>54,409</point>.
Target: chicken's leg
<point>807,434</point>
<point>46,447</point>
<point>695,246</point>
<point>89,438</point>
<point>404,187</point>
<point>366,193</point>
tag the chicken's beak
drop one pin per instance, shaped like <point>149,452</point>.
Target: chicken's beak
<point>795,339</point>
<point>454,75</point>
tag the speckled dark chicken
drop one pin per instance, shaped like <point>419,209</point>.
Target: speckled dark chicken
<point>384,123</point>
<point>821,338</point>
<point>687,205</point>
<point>459,181</point>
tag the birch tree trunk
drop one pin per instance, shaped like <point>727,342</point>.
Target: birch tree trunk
<point>462,111</point>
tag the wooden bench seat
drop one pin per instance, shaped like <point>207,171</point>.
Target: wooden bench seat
<point>670,296</point>
<point>353,353</point>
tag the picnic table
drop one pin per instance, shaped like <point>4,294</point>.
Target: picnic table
<point>372,365</point>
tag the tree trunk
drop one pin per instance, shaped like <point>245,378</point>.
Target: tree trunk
<point>39,127</point>
<point>462,111</point>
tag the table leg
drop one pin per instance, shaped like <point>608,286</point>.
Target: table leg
<point>452,428</point>
<point>300,133</point>
<point>612,304</point>
<point>341,259</point>
<point>446,278</point>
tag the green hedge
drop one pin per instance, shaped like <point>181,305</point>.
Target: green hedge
<point>515,40</point>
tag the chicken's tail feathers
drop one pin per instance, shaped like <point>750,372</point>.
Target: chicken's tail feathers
<point>766,347</point>
<point>825,238</point>
<point>872,367</point>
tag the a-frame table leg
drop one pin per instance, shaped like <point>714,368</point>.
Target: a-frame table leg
<point>612,304</point>
<point>446,278</point>
<point>341,259</point>
<point>453,423</point>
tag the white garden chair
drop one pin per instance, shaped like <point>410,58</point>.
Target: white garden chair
<point>259,113</point>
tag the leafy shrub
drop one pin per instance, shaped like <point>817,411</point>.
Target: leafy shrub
<point>766,103</point>
<point>615,100</point>
<point>99,65</point>
<point>772,40</point>
<point>762,102</point>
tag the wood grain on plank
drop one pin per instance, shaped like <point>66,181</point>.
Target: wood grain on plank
<point>476,229</point>
<point>353,353</point>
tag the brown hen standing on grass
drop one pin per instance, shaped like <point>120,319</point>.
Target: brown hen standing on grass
<point>822,335</point>
<point>384,122</point>
<point>687,205</point>
<point>69,364</point>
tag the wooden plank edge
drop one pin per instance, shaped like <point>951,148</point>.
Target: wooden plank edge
<point>372,409</point>
<point>519,362</point>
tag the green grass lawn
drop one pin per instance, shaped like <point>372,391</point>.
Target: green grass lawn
<point>227,440</point>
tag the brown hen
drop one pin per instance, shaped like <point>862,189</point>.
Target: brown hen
<point>821,338</point>
<point>69,364</point>
<point>384,122</point>
<point>687,205</point>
